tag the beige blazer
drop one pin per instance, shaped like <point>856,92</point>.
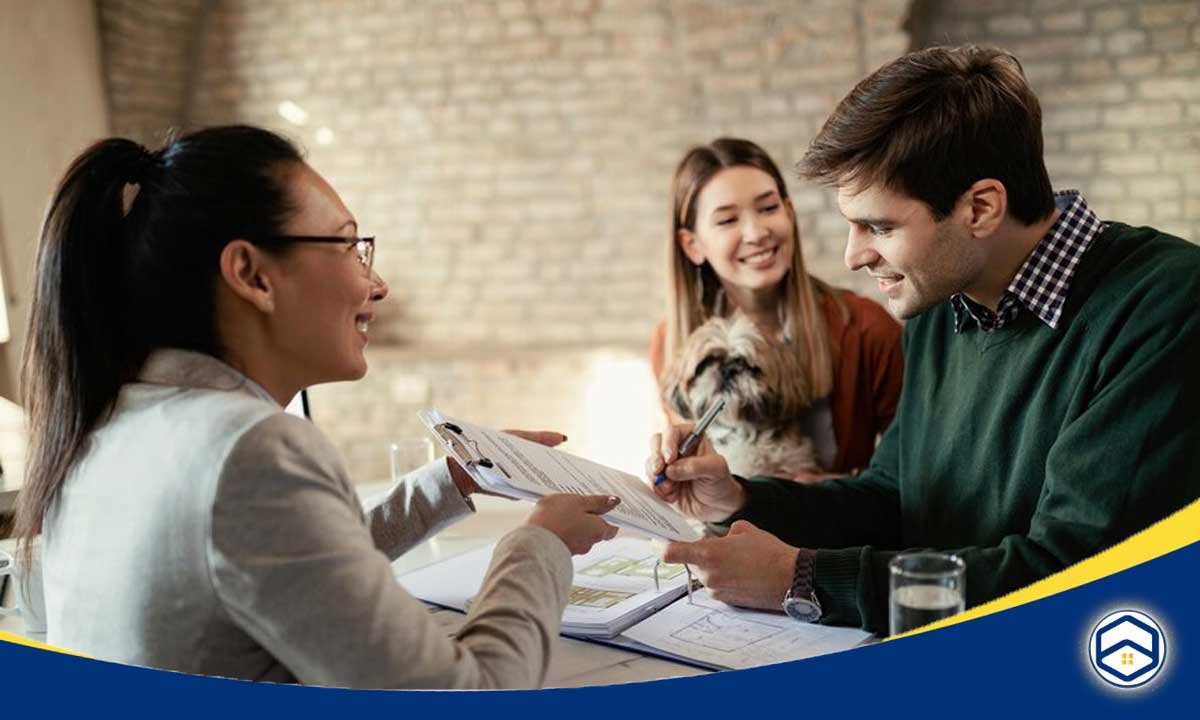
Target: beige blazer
<point>206,531</point>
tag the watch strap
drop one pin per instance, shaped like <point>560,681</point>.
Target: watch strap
<point>802,578</point>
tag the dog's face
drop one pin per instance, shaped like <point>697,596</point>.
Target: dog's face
<point>728,357</point>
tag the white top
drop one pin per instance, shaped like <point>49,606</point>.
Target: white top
<point>207,531</point>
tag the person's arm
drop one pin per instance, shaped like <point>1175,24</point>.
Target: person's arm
<point>771,522</point>
<point>863,508</point>
<point>1128,459</point>
<point>431,498</point>
<point>425,502</point>
<point>295,565</point>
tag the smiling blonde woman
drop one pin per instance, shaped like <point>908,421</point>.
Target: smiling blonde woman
<point>735,247</point>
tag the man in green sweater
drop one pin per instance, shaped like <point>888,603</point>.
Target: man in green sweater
<point>1052,363</point>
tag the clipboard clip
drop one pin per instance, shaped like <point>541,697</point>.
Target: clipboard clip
<point>464,447</point>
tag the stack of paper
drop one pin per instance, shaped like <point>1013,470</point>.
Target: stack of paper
<point>507,465</point>
<point>613,587</point>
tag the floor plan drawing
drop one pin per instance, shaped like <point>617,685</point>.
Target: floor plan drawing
<point>725,633</point>
<point>596,598</point>
<point>706,630</point>
<point>632,567</point>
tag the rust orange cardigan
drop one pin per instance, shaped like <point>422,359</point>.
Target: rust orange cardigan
<point>868,368</point>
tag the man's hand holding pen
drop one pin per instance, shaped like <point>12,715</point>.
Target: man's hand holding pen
<point>748,567</point>
<point>700,486</point>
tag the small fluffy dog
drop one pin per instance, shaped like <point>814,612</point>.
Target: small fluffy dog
<point>757,431</point>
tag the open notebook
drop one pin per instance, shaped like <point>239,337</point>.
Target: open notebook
<point>614,600</point>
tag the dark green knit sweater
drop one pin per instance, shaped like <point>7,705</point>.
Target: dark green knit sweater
<point>1025,450</point>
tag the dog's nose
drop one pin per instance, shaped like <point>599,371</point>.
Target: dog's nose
<point>728,373</point>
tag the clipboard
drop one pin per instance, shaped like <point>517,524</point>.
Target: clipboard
<point>512,467</point>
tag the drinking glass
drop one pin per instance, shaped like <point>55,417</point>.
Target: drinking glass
<point>925,587</point>
<point>408,454</point>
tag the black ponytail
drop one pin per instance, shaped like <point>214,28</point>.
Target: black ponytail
<point>127,263</point>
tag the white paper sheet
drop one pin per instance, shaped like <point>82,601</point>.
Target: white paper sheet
<point>720,635</point>
<point>527,471</point>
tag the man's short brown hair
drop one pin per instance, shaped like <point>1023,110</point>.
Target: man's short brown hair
<point>931,123</point>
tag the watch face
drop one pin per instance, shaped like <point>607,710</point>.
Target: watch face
<point>802,610</point>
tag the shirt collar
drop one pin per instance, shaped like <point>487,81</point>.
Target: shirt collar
<point>1043,281</point>
<point>186,368</point>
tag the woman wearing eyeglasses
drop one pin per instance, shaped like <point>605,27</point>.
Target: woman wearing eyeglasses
<point>182,297</point>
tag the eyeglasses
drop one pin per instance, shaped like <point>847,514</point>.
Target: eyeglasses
<point>364,247</point>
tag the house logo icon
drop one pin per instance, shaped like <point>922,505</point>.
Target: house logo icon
<point>1127,648</point>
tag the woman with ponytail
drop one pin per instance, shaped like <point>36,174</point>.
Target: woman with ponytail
<point>182,297</point>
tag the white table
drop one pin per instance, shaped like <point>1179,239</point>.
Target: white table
<point>575,662</point>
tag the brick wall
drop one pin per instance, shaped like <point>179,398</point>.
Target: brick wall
<point>149,56</point>
<point>1119,83</point>
<point>514,157</point>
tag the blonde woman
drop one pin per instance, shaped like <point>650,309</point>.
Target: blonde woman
<point>735,247</point>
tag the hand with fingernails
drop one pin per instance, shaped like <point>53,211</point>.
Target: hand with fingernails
<point>700,485</point>
<point>575,519</point>
<point>748,567</point>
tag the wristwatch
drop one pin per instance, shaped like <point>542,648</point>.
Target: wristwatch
<point>800,602</point>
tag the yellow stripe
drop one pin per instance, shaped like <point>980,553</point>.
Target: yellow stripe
<point>1176,531</point>
<point>18,640</point>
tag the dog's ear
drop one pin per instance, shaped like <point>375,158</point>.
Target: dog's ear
<point>673,389</point>
<point>677,402</point>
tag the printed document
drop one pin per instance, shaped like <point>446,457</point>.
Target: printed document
<point>510,466</point>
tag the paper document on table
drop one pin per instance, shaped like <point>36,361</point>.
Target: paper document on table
<point>719,635</point>
<point>508,465</point>
<point>613,586</point>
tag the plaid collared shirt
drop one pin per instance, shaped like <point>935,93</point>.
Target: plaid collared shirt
<point>1042,283</point>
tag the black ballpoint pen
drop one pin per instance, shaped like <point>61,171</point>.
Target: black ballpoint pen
<point>692,441</point>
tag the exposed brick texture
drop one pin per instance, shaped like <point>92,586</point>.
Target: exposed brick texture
<point>149,52</point>
<point>1119,83</point>
<point>514,158</point>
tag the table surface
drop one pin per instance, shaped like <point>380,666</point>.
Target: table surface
<point>575,663</point>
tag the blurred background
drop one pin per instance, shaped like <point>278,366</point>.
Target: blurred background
<point>514,158</point>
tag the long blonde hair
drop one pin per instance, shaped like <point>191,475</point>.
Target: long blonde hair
<point>693,293</point>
